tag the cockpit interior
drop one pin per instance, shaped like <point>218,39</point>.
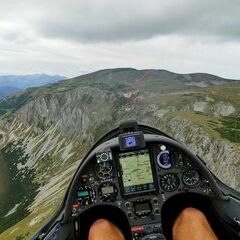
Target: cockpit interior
<point>140,179</point>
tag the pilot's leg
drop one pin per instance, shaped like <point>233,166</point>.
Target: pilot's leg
<point>192,224</point>
<point>104,230</point>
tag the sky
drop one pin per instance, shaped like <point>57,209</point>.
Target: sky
<point>72,37</point>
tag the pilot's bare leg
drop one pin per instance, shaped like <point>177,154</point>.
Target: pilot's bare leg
<point>104,230</point>
<point>192,224</point>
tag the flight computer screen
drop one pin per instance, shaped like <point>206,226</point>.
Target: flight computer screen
<point>137,173</point>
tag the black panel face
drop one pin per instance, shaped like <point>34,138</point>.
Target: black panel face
<point>138,182</point>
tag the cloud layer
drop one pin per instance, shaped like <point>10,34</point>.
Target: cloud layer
<point>107,20</point>
<point>41,31</point>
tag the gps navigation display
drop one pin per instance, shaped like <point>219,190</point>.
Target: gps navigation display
<point>137,173</point>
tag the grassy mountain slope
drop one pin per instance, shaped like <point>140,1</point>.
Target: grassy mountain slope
<point>45,132</point>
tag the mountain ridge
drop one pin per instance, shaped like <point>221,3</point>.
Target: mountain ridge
<point>109,72</point>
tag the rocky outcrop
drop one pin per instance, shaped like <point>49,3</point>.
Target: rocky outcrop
<point>70,112</point>
<point>222,157</point>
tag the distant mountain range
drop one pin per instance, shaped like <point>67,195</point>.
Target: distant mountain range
<point>45,132</point>
<point>5,91</point>
<point>13,83</point>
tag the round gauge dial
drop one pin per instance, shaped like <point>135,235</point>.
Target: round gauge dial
<point>86,195</point>
<point>107,191</point>
<point>164,160</point>
<point>169,182</point>
<point>104,170</point>
<point>191,178</point>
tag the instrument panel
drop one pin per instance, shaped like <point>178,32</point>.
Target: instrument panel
<point>139,182</point>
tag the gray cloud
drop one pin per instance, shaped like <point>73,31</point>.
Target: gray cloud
<point>71,36</point>
<point>107,20</point>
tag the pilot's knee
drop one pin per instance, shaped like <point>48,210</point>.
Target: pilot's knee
<point>102,222</point>
<point>103,229</point>
<point>99,225</point>
<point>190,216</point>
